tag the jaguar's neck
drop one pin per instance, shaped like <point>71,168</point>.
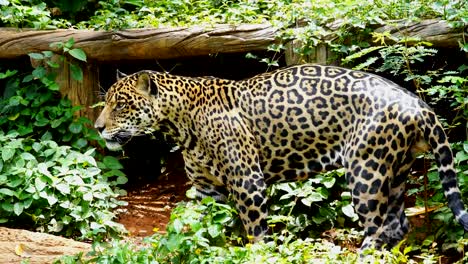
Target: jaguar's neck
<point>183,102</point>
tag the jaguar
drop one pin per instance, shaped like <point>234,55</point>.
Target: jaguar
<point>239,137</point>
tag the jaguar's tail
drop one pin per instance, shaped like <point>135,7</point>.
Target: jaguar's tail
<point>435,136</point>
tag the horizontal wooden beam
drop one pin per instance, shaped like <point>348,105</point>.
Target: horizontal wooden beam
<point>134,44</point>
<point>166,43</point>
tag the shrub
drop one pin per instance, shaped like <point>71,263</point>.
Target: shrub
<point>55,189</point>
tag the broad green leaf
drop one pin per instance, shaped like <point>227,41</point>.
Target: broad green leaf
<point>27,203</point>
<point>53,64</point>
<point>7,153</point>
<point>42,168</point>
<point>348,210</point>
<point>214,230</point>
<point>39,72</point>
<point>78,54</point>
<point>121,180</point>
<point>80,143</point>
<point>112,163</point>
<point>69,44</point>
<point>27,156</point>
<point>36,56</point>
<point>76,72</point>
<point>7,206</point>
<point>178,225</point>
<point>7,192</point>
<point>75,128</point>
<point>88,196</point>
<point>63,188</point>
<point>14,117</point>
<point>28,78</point>
<point>18,208</point>
<point>39,184</point>
<point>52,199</point>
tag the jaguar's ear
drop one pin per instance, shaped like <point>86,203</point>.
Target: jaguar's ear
<point>119,75</point>
<point>145,84</point>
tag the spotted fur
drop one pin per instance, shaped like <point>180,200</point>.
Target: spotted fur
<point>238,137</point>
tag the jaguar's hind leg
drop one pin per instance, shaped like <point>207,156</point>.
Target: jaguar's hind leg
<point>378,197</point>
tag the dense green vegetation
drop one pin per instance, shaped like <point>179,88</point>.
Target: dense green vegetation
<point>51,178</point>
<point>46,150</point>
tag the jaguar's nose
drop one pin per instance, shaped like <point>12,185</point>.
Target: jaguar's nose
<point>100,123</point>
<point>99,127</point>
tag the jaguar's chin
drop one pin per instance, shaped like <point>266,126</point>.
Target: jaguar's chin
<point>116,142</point>
<point>113,145</point>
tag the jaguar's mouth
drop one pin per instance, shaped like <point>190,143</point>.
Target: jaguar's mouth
<point>117,141</point>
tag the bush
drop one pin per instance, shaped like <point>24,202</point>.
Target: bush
<point>55,189</point>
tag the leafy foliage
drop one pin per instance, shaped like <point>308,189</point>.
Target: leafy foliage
<point>55,189</point>
<point>312,206</point>
<point>197,233</point>
<point>45,184</point>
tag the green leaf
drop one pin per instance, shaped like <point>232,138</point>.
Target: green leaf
<point>76,72</point>
<point>27,156</point>
<point>18,208</point>
<point>112,163</point>
<point>63,188</point>
<point>43,169</point>
<point>121,180</point>
<point>78,54</point>
<point>75,128</point>
<point>214,230</point>
<point>7,206</point>
<point>80,143</point>
<point>28,78</point>
<point>52,199</point>
<point>348,210</point>
<point>7,153</point>
<point>39,72</point>
<point>69,44</point>
<point>36,56</point>
<point>39,184</point>
<point>177,225</point>
<point>7,74</point>
<point>53,64</point>
<point>88,196</point>
<point>7,192</point>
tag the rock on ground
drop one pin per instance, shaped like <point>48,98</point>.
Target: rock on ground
<point>33,247</point>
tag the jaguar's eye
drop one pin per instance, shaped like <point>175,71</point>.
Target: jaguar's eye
<point>120,106</point>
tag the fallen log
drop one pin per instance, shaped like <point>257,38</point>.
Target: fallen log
<point>18,245</point>
<point>167,43</point>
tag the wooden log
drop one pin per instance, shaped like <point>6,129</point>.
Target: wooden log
<point>18,245</point>
<point>436,31</point>
<point>134,44</point>
<point>166,43</point>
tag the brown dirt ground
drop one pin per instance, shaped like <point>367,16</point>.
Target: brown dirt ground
<point>150,204</point>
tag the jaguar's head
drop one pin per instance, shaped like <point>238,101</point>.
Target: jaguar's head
<point>130,109</point>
